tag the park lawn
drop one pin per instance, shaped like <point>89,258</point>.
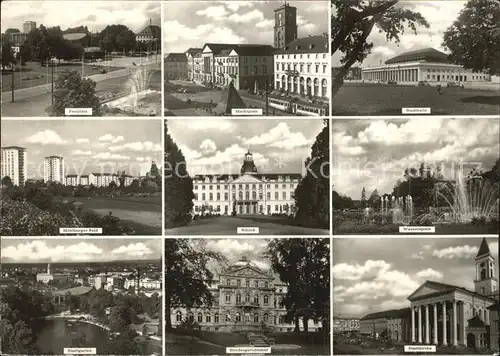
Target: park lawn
<point>383,99</point>
<point>28,77</point>
<point>347,228</point>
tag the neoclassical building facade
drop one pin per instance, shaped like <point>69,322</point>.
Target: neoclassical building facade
<point>247,193</point>
<point>424,65</point>
<point>444,314</point>
<point>245,298</point>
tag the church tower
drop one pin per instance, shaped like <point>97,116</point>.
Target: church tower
<point>248,166</point>
<point>285,25</point>
<point>485,282</point>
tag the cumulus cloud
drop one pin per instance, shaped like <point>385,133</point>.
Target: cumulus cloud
<point>146,146</point>
<point>208,146</point>
<point>110,156</point>
<point>82,140</point>
<point>46,137</point>
<point>279,136</point>
<point>463,252</point>
<point>430,273</point>
<point>81,153</point>
<point>134,250</point>
<point>111,139</point>
<point>40,250</point>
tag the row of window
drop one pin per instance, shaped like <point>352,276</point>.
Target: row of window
<point>289,56</point>
<point>248,283</point>
<point>234,70</point>
<point>245,209</point>
<point>301,68</point>
<point>203,196</point>
<point>238,318</point>
<point>240,186</point>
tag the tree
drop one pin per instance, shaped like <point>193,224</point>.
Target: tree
<point>474,37</point>
<point>354,20</point>
<point>187,275</point>
<point>312,195</point>
<point>119,318</point>
<point>178,185</point>
<point>6,181</point>
<point>304,265</point>
<point>71,91</point>
<point>7,55</point>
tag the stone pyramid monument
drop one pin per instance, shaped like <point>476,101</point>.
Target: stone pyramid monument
<point>233,100</point>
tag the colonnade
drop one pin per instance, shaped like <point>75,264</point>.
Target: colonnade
<point>392,74</point>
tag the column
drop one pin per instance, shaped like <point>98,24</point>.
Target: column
<point>487,318</point>
<point>412,325</point>
<point>462,325</point>
<point>427,325</point>
<point>445,343</point>
<point>420,324</point>
<point>435,322</point>
<point>454,328</point>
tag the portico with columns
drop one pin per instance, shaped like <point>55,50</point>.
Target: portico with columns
<point>448,315</point>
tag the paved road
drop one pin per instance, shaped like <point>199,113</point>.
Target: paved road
<point>229,225</point>
<point>34,101</point>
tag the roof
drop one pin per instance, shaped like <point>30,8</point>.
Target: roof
<point>13,148</point>
<point>224,177</point>
<point>74,36</point>
<point>254,50</point>
<point>285,5</point>
<point>92,49</point>
<point>483,249</point>
<point>176,57</point>
<point>73,291</point>
<point>224,53</point>
<point>426,54</point>
<point>151,31</point>
<point>443,288</point>
<point>193,51</point>
<point>217,47</point>
<point>55,157</point>
<point>475,322</point>
<point>311,44</point>
<point>388,314</point>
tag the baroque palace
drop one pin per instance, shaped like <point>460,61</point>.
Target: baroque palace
<point>444,314</point>
<point>247,193</point>
<point>246,298</point>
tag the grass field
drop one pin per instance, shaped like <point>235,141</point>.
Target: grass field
<point>354,228</point>
<point>144,214</point>
<point>34,74</point>
<point>382,99</point>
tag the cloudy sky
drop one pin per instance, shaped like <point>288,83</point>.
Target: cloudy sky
<point>96,15</point>
<point>88,146</point>
<point>375,274</point>
<point>75,250</point>
<point>374,153</point>
<point>218,146</point>
<point>193,23</point>
<point>439,14</point>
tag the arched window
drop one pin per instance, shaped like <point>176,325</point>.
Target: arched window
<point>323,88</point>
<point>238,317</point>
<point>191,317</point>
<point>482,340</point>
<point>256,299</point>
<point>247,317</point>
<point>256,317</point>
<point>276,196</point>
<point>208,318</point>
<point>238,298</point>
<point>247,298</point>
<point>218,196</point>
<point>316,87</point>
<point>266,299</point>
<point>266,284</point>
<point>268,195</point>
<point>266,318</point>
<point>240,195</point>
<point>254,195</point>
<point>178,316</point>
<point>211,196</point>
<point>216,318</point>
<point>200,318</point>
<point>247,195</point>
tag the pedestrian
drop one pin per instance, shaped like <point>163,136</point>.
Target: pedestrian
<point>439,89</point>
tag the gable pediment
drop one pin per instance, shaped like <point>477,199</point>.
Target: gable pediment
<point>246,178</point>
<point>247,272</point>
<point>428,288</point>
<point>233,53</point>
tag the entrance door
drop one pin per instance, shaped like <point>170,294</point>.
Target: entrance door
<point>255,208</point>
<point>439,78</point>
<point>471,340</point>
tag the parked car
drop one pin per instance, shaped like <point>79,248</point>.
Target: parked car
<point>393,82</point>
<point>454,85</point>
<point>423,84</point>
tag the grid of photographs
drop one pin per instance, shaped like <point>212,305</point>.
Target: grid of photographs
<point>247,177</point>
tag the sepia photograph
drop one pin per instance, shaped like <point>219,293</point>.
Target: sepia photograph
<point>436,175</point>
<point>415,296</point>
<point>237,58</point>
<point>101,58</point>
<point>247,296</point>
<point>81,177</point>
<point>392,57</point>
<point>74,296</point>
<point>234,176</point>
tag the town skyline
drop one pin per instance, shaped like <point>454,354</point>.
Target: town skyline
<point>105,148</point>
<point>96,16</point>
<point>373,274</point>
<point>194,23</point>
<point>75,250</point>
<point>439,14</point>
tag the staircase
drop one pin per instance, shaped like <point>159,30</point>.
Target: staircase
<point>258,340</point>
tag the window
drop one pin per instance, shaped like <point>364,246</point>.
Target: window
<point>228,318</point>
<point>256,284</point>
<point>238,283</point>
<point>226,196</point>
<point>196,197</point>
<point>191,317</point>
<point>238,298</point>
<point>256,299</point>
<point>266,284</point>
<point>276,196</point>
<point>216,318</point>
<point>238,317</point>
<point>203,196</point>
<point>247,283</point>
<point>228,282</point>
<point>208,318</point>
<point>266,318</point>
<point>256,318</point>
<point>228,298</point>
<point>266,299</point>
<point>218,186</point>
<point>211,187</point>
<point>268,196</point>
<point>211,196</point>
<point>247,298</point>
<point>284,195</point>
<point>178,317</point>
<point>218,196</point>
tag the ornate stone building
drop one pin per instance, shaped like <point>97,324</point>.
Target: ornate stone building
<point>445,314</point>
<point>247,193</point>
<point>246,298</point>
